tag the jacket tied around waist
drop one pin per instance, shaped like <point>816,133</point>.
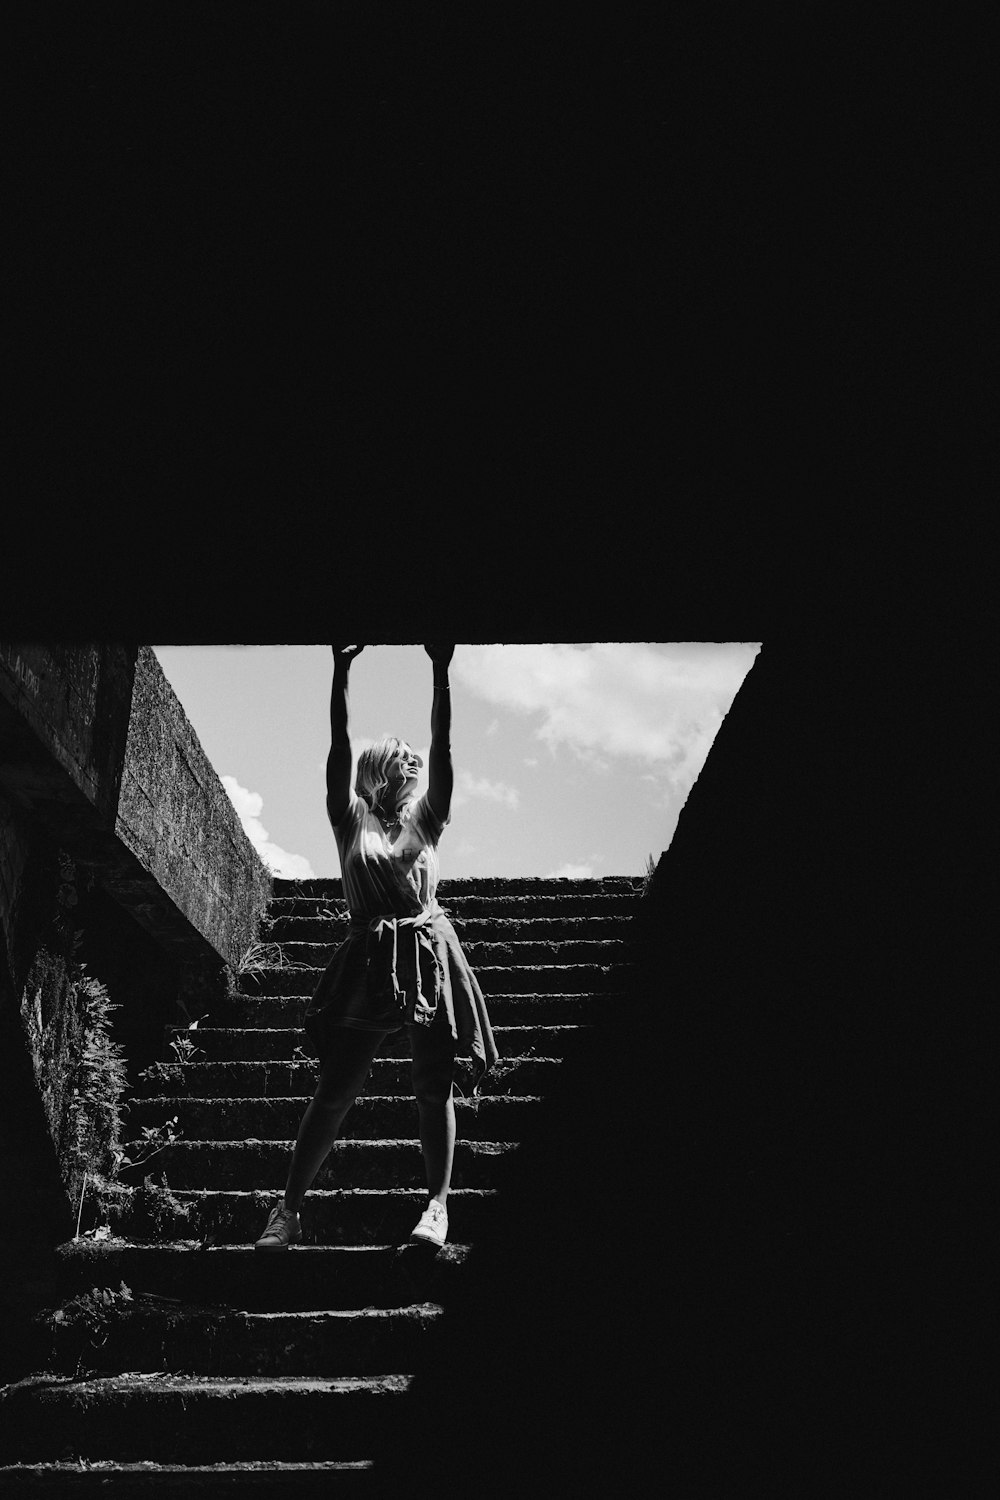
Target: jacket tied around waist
<point>402,963</point>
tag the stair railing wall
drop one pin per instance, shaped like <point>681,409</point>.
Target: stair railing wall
<point>119,851</point>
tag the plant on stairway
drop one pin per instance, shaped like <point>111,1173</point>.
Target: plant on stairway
<point>164,1075</point>
<point>79,1066</point>
<point>182,1045</point>
<point>154,1209</point>
<point>260,957</point>
<point>93,1310</point>
<point>154,1139</point>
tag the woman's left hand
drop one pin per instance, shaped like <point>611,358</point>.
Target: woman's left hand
<point>440,654</point>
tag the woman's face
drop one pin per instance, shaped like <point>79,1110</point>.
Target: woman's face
<point>402,769</point>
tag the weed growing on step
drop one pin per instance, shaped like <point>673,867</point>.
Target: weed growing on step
<point>182,1045</point>
<point>163,1075</point>
<point>94,1311</point>
<point>82,1326</point>
<point>156,1211</point>
<point>259,959</point>
<point>79,1067</point>
<point>154,1139</point>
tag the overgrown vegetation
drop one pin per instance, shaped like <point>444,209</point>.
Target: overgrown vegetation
<point>79,1067</point>
<point>81,1072</point>
<point>259,957</point>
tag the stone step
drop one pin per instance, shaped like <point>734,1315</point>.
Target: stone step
<point>235,1165</point>
<point>241,1043</point>
<point>282,1011</point>
<point>291,934</point>
<point>459,907</point>
<point>285,1369</point>
<point>150,1481</point>
<point>199,1419</point>
<point>213,1340</point>
<point>320,1276</point>
<point>521,1076</point>
<point>372,1116</point>
<point>482,885</point>
<point>520,978</point>
<point>346,1216</point>
<point>521,951</point>
<point>301,959</point>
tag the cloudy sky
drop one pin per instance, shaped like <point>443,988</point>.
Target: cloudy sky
<point>569,759</point>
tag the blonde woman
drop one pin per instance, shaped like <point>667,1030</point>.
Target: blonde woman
<point>401,963</point>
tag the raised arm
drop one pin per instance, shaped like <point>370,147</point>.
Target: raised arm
<point>440,775</point>
<point>338,762</point>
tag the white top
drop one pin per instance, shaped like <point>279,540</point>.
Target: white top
<point>380,877</point>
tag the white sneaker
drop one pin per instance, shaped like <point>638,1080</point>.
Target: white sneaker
<point>283,1229</point>
<point>433,1225</point>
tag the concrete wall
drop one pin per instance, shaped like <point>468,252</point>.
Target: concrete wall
<point>175,818</point>
<point>119,849</point>
<point>96,749</point>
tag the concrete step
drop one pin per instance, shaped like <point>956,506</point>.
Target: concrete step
<point>289,934</point>
<point>318,1277</point>
<point>462,906</point>
<point>199,1419</point>
<point>345,1216</point>
<point>285,1369</point>
<point>559,1009</point>
<point>483,885</point>
<point>373,1116</point>
<point>243,1044</point>
<point>150,1481</point>
<point>310,959</point>
<point>607,970</point>
<point>211,1340</point>
<point>522,1076</point>
<point>515,951</point>
<point>243,1164</point>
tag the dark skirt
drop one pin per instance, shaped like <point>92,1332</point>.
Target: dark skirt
<point>348,995</point>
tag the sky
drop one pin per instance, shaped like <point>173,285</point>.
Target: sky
<point>570,759</point>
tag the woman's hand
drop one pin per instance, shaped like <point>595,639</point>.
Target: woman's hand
<point>440,654</point>
<point>346,653</point>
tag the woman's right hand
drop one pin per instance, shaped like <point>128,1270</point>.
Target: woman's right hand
<point>346,653</point>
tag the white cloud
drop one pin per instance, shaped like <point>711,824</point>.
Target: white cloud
<point>492,726</point>
<point>661,704</point>
<point>249,806</point>
<point>467,785</point>
<point>571,872</point>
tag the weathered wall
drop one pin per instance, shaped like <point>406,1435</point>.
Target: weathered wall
<point>96,749</point>
<point>120,852</point>
<point>176,819</point>
<point>74,700</point>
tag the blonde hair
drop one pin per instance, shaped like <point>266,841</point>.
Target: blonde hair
<point>370,780</point>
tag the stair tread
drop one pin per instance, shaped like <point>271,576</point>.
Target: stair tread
<point>136,1382</point>
<point>144,1467</point>
<point>486,1100</point>
<point>546,950</point>
<point>454,1249</point>
<point>196,1310</point>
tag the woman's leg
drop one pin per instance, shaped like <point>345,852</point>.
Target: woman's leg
<point>433,1072</point>
<point>341,1081</point>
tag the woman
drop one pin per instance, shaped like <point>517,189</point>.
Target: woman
<point>401,963</point>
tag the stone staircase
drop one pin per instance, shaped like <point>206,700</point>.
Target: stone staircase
<point>239,1371</point>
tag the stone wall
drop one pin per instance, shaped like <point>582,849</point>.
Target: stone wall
<point>176,819</point>
<point>119,852</point>
<point>96,750</point>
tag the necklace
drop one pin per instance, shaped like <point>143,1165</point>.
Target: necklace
<point>388,824</point>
